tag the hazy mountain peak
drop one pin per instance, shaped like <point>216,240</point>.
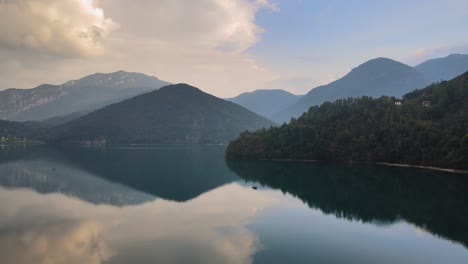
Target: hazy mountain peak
<point>180,86</point>
<point>457,55</point>
<point>380,64</point>
<point>266,102</point>
<point>119,79</point>
<point>445,68</point>
<point>82,95</point>
<point>376,77</point>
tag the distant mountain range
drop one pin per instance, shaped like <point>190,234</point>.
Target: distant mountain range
<point>443,69</point>
<point>89,93</point>
<point>77,110</point>
<point>427,127</point>
<point>173,114</point>
<point>374,78</point>
<point>267,103</point>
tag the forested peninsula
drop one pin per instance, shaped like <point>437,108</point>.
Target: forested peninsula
<point>427,127</point>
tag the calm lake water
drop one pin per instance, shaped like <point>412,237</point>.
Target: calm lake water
<point>186,204</point>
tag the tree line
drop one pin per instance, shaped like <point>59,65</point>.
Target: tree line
<point>426,127</point>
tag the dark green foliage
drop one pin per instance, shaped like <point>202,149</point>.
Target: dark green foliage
<point>373,130</point>
<point>174,114</point>
<point>15,132</point>
<point>374,78</point>
<point>434,201</point>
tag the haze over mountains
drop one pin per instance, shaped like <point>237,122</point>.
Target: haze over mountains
<point>173,114</point>
<point>184,114</point>
<point>443,69</point>
<point>266,102</point>
<point>373,78</point>
<point>428,127</point>
<point>84,95</point>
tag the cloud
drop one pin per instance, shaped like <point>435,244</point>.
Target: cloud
<point>267,4</point>
<point>220,24</point>
<point>69,28</point>
<point>201,42</point>
<point>55,228</point>
<point>70,242</point>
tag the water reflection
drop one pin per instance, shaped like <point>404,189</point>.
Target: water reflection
<point>55,228</point>
<point>119,176</point>
<point>177,173</point>
<point>184,204</point>
<point>431,200</point>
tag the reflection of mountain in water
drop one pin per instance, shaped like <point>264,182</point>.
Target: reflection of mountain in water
<point>116,176</point>
<point>45,171</point>
<point>177,173</point>
<point>432,200</point>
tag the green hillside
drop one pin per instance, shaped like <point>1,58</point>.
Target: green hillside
<point>174,114</point>
<point>373,130</point>
<point>15,132</point>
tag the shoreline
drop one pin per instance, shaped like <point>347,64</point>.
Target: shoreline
<point>290,160</point>
<point>423,167</point>
<point>458,171</point>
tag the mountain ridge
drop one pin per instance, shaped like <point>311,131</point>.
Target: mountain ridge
<point>445,68</point>
<point>376,77</point>
<point>266,102</point>
<point>173,114</point>
<point>84,94</point>
<point>428,127</point>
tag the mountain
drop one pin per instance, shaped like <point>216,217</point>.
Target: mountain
<point>266,102</point>
<point>58,120</point>
<point>373,78</point>
<point>444,69</point>
<point>11,132</point>
<point>429,127</point>
<point>173,114</point>
<point>176,172</point>
<point>48,170</point>
<point>89,93</point>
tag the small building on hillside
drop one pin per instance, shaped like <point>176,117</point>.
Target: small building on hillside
<point>398,103</point>
<point>426,103</point>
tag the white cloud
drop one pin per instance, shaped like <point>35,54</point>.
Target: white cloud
<point>200,230</point>
<point>222,24</point>
<point>267,4</point>
<point>201,42</point>
<point>70,28</point>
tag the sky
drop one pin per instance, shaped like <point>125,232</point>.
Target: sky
<point>224,47</point>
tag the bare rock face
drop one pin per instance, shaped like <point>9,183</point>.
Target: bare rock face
<point>89,93</point>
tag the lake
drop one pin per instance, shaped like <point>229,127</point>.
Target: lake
<point>186,204</point>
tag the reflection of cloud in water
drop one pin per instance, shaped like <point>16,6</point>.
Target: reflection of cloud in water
<point>54,228</point>
<point>46,176</point>
<point>63,242</point>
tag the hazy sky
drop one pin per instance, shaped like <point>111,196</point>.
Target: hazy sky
<point>224,47</point>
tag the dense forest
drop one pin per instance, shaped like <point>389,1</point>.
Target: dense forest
<point>173,114</point>
<point>427,127</point>
<point>15,132</point>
